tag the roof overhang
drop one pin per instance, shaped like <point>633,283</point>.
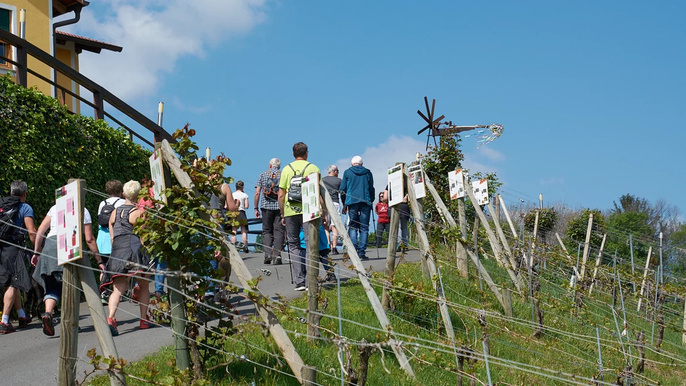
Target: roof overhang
<point>60,7</point>
<point>83,43</point>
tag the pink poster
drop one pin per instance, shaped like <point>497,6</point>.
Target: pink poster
<point>60,219</point>
<point>70,205</point>
<point>62,242</point>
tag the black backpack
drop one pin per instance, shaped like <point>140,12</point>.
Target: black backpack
<point>106,212</point>
<point>271,188</point>
<point>295,193</point>
<point>9,209</point>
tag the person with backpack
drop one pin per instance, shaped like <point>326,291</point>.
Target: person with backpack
<point>16,220</point>
<point>241,199</point>
<point>267,207</point>
<point>333,185</point>
<point>114,189</point>
<point>290,205</point>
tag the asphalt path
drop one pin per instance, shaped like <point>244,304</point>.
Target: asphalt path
<point>28,357</point>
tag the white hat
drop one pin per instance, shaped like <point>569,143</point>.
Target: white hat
<point>357,160</point>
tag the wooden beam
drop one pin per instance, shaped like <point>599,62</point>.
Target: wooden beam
<point>597,264</point>
<point>243,273</point>
<point>368,289</point>
<point>587,246</point>
<point>645,276</point>
<point>425,250</point>
<point>390,258</point>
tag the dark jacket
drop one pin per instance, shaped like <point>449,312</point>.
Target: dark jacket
<point>358,185</point>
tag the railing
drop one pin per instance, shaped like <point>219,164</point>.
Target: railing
<point>100,94</point>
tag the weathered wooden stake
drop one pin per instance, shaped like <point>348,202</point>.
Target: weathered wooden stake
<point>448,217</point>
<point>587,246</point>
<point>533,240</point>
<point>645,276</point>
<point>309,376</point>
<point>368,289</point>
<point>600,356</point>
<point>276,330</point>
<point>70,327</point>
<point>501,235</point>
<point>507,299</point>
<point>312,279</point>
<point>425,250</point>
<point>597,264</point>
<point>683,334</point>
<point>495,246</point>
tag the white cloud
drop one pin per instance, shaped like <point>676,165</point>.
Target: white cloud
<point>155,35</point>
<point>379,158</point>
<point>491,155</point>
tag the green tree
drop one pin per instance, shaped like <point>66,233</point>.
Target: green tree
<point>577,226</point>
<point>546,222</point>
<point>621,225</point>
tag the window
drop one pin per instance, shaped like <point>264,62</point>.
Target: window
<point>5,20</point>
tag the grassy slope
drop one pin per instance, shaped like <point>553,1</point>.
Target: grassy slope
<point>569,348</point>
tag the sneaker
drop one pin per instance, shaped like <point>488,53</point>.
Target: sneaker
<point>48,327</point>
<point>6,328</point>
<point>113,326</point>
<point>300,287</point>
<point>330,277</point>
<point>23,322</point>
<point>267,261</point>
<point>364,258</point>
<point>278,261</point>
<point>103,299</point>
<point>144,325</point>
<point>135,293</point>
<point>245,249</point>
<point>334,251</point>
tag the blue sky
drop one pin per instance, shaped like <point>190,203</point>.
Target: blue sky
<point>591,94</point>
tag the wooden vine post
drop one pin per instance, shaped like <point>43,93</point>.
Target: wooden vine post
<point>390,258</point>
<point>587,246</point>
<point>503,240</point>
<point>425,251</point>
<point>461,246</point>
<point>597,264</point>
<point>368,289</point>
<point>645,277</point>
<point>533,240</point>
<point>243,273</point>
<point>683,334</point>
<point>497,251</point>
<point>462,266</point>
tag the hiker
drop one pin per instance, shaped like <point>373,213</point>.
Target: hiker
<point>267,201</point>
<point>127,258</point>
<point>358,186</point>
<point>324,250</point>
<point>114,189</point>
<point>333,185</point>
<point>383,223</point>
<point>290,205</point>
<point>16,220</point>
<point>47,273</point>
<point>243,203</point>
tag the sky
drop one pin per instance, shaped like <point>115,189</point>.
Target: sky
<point>590,94</point>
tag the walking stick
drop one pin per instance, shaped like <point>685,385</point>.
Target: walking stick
<point>290,260</point>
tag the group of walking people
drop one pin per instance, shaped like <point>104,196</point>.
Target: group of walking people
<point>118,251</point>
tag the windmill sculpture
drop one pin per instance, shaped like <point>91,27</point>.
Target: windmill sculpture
<point>485,133</point>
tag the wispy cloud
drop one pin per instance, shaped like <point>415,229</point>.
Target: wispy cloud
<point>155,34</point>
<point>379,158</point>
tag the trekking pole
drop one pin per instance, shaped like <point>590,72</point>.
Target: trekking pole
<point>290,260</point>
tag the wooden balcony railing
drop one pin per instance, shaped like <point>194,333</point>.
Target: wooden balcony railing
<point>100,95</point>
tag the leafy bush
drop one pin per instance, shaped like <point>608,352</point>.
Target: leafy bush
<point>44,144</point>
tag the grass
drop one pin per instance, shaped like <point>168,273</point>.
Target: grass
<point>568,345</point>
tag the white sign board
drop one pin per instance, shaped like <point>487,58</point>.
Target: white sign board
<point>417,178</point>
<point>68,208</point>
<point>480,188</point>
<point>310,197</point>
<point>396,190</point>
<point>456,181</point>
<point>157,174</point>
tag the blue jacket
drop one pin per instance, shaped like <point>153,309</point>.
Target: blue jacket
<point>358,185</point>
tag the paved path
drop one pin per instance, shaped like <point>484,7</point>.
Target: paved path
<point>27,357</point>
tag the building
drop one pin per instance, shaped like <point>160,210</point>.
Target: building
<point>42,30</point>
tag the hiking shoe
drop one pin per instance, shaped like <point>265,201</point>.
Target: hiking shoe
<point>300,287</point>
<point>330,277</point>
<point>145,324</point>
<point>23,322</point>
<point>278,261</point>
<point>135,293</point>
<point>364,258</point>
<point>334,251</point>
<point>112,322</point>
<point>267,261</point>
<point>6,328</point>
<point>48,327</point>
<point>245,249</point>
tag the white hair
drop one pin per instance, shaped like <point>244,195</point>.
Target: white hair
<point>275,162</point>
<point>131,190</point>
